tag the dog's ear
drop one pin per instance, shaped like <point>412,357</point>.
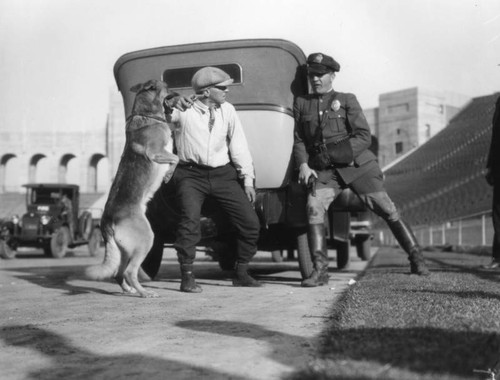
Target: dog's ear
<point>138,87</point>
<point>151,84</point>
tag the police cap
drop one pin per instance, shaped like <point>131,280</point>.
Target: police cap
<point>319,63</point>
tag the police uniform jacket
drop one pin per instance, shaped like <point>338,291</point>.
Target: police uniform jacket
<point>339,115</point>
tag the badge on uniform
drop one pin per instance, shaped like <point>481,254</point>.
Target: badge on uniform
<point>335,105</point>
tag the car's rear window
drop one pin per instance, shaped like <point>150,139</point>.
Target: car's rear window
<point>181,77</point>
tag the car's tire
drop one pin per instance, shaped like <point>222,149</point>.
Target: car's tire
<point>85,225</point>
<point>94,243</point>
<point>276,256</point>
<point>306,264</point>
<point>59,242</point>
<point>6,251</point>
<point>363,247</point>
<point>343,257</point>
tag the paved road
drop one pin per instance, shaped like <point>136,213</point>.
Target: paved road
<point>56,325</point>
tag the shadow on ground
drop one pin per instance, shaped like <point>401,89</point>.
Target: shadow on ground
<point>70,362</point>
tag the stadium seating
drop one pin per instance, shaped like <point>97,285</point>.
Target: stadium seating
<point>443,179</point>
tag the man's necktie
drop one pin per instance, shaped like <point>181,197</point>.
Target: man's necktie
<point>211,119</point>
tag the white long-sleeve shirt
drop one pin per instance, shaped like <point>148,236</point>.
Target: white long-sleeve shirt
<point>225,142</point>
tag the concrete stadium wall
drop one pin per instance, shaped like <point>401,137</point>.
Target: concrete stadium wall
<point>66,157</point>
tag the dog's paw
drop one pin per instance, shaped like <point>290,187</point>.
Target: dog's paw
<point>149,294</point>
<point>127,288</point>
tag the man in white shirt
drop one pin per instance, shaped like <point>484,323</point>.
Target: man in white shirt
<point>213,154</point>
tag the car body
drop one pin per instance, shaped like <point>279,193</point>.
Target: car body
<point>49,223</point>
<point>268,74</point>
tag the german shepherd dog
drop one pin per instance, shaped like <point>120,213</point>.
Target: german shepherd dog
<point>144,164</point>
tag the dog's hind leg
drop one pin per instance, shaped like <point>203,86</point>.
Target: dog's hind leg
<point>136,240</point>
<point>119,278</point>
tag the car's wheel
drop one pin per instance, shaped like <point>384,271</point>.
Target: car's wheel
<point>363,247</point>
<point>343,254</point>
<point>59,242</point>
<point>94,243</point>
<point>85,225</point>
<point>6,251</point>
<point>306,265</point>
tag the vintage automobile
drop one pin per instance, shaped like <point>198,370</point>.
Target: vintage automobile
<point>268,74</point>
<point>52,222</point>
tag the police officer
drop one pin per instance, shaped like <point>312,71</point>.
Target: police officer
<point>331,144</point>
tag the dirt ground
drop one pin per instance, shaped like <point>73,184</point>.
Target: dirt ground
<point>55,325</point>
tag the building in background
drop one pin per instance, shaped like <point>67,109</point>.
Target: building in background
<point>406,119</point>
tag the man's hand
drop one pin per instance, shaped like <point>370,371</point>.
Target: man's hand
<point>179,102</point>
<point>250,192</point>
<point>305,172</point>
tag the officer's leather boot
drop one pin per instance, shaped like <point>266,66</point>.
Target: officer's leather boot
<point>408,242</point>
<point>317,246</point>
<point>242,278</point>
<point>188,282</point>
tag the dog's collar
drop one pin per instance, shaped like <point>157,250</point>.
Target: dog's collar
<point>148,116</point>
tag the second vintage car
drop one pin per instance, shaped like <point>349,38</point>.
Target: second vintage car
<point>53,222</point>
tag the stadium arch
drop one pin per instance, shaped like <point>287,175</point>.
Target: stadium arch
<point>38,170</point>
<point>68,169</point>
<point>9,175</point>
<point>98,173</point>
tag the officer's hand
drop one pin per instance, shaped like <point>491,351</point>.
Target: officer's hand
<point>305,172</point>
<point>250,193</point>
<point>489,177</point>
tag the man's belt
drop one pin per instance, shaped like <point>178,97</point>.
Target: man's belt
<point>187,164</point>
<point>333,154</point>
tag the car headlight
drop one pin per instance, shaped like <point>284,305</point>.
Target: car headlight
<point>44,219</point>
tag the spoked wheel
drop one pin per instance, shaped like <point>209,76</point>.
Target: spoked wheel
<point>306,265</point>
<point>59,242</point>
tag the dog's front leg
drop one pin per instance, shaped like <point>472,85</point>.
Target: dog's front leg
<point>166,158</point>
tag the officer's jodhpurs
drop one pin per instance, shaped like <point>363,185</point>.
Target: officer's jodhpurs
<point>380,203</point>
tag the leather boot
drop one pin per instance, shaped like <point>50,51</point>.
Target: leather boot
<point>317,246</point>
<point>242,278</point>
<point>188,282</point>
<point>408,242</point>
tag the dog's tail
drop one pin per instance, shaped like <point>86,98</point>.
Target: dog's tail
<point>109,267</point>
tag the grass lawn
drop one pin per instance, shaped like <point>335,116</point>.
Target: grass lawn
<point>393,325</point>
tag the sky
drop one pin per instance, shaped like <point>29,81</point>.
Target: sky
<point>57,56</point>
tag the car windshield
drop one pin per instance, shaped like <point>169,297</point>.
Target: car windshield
<point>44,196</point>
